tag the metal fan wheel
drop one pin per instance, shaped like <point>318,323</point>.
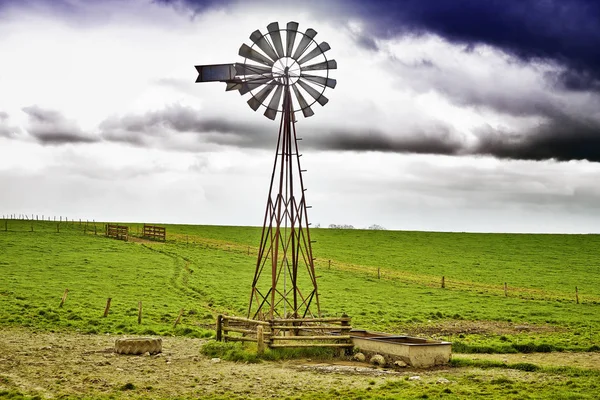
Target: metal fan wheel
<point>269,67</point>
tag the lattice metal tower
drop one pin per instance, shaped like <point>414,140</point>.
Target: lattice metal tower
<point>278,78</point>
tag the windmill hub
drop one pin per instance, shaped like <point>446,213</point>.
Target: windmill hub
<point>286,68</point>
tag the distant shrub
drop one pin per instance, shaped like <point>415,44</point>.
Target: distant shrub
<point>128,386</point>
<point>525,367</point>
<point>545,348</point>
<point>191,332</point>
<point>502,380</point>
<point>525,348</point>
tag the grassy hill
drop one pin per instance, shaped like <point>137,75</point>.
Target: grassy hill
<point>385,280</point>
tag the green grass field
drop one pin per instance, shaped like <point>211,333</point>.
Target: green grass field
<point>385,280</point>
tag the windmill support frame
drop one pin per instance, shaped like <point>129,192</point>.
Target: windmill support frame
<point>285,244</point>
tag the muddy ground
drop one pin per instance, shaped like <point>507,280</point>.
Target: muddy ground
<point>54,365</point>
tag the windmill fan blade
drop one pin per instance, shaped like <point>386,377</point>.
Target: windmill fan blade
<point>256,101</point>
<point>263,44</point>
<point>321,80</point>
<point>306,110</point>
<point>253,84</point>
<point>233,85</point>
<point>292,29</point>
<point>322,100</point>
<point>331,64</point>
<point>248,69</point>
<point>271,111</point>
<point>306,39</point>
<point>247,52</point>
<point>273,28</point>
<point>320,49</point>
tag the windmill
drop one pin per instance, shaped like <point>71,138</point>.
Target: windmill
<point>286,72</point>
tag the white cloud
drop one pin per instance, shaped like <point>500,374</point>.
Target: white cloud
<point>117,65</point>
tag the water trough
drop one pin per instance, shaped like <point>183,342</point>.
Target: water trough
<point>416,352</point>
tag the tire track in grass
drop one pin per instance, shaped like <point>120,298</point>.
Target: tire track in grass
<point>433,281</point>
<point>179,278</point>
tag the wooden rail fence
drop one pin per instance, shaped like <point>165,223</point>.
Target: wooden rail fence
<point>154,232</point>
<point>280,333</point>
<point>120,232</point>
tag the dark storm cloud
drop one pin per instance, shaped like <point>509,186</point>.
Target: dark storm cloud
<point>562,138</point>
<point>565,32</point>
<point>165,124</point>
<point>52,128</point>
<point>417,141</point>
<point>562,32</point>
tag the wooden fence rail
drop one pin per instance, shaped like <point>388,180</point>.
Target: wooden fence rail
<point>279,333</point>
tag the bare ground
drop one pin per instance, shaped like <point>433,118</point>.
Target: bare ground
<point>54,365</point>
<point>57,364</point>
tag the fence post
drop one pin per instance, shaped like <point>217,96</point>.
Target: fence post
<point>378,273</point>
<point>139,312</point>
<point>219,328</point>
<point>345,330</point>
<point>505,290</point>
<point>178,318</point>
<point>57,228</point>
<point>64,298</point>
<point>260,339</point>
<point>443,282</point>
<point>107,307</point>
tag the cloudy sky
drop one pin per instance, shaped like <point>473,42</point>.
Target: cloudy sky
<point>448,115</point>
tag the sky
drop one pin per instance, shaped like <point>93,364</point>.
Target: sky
<point>463,115</point>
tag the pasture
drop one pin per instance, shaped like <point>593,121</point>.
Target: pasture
<point>385,280</point>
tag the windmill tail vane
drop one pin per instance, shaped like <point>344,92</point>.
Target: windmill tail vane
<point>285,71</point>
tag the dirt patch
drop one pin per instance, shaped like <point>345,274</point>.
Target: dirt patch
<point>456,327</point>
<point>54,365</point>
<point>135,239</point>
<point>69,364</point>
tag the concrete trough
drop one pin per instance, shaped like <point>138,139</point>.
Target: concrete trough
<point>416,352</point>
